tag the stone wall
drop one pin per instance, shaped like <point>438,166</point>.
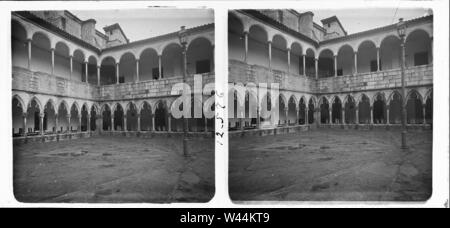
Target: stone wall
<point>241,72</point>
<point>414,76</point>
<point>39,82</point>
<point>146,89</point>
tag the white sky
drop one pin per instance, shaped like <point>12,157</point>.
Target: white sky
<point>357,20</point>
<point>145,23</point>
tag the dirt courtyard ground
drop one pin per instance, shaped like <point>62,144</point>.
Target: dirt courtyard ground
<point>331,164</point>
<point>114,169</point>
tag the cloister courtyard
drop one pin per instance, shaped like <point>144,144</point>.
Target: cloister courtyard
<point>114,169</point>
<point>331,164</point>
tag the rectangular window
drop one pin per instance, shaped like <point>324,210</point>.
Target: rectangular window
<point>340,72</point>
<point>202,66</point>
<point>421,58</point>
<point>373,66</point>
<point>63,23</point>
<point>121,79</point>
<point>280,16</point>
<point>155,73</point>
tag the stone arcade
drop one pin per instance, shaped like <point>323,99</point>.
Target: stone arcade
<point>70,80</point>
<point>326,76</point>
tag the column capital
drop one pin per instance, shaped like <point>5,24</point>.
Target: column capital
<point>269,42</point>
<point>245,32</point>
<point>288,49</point>
<point>24,115</point>
<point>52,49</point>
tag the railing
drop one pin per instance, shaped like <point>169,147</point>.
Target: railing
<point>39,82</point>
<point>44,83</point>
<point>149,88</point>
<point>414,76</point>
<point>240,72</point>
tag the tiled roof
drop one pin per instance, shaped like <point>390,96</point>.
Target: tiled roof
<point>47,25</point>
<point>377,30</point>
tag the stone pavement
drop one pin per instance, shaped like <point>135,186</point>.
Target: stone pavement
<point>114,169</point>
<point>331,164</point>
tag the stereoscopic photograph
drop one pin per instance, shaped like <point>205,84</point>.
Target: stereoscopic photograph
<point>330,105</point>
<point>113,106</point>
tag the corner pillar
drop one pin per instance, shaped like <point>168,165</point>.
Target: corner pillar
<point>29,45</point>
<point>316,63</point>
<point>53,60</point>
<point>246,46</point>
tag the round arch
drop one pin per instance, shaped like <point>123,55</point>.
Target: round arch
<point>108,70</point>
<point>200,56</point>
<point>149,65</point>
<point>279,53</point>
<point>172,61</point>
<point>310,64</point>
<point>258,51</point>
<point>78,66</point>
<point>62,60</point>
<point>236,40</point>
<point>345,60</point>
<point>367,57</point>
<point>418,48</point>
<point>127,68</point>
<point>326,63</point>
<point>296,58</point>
<point>390,53</point>
<point>92,70</point>
<point>41,55</point>
<point>19,44</point>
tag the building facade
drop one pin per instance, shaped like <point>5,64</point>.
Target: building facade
<point>71,80</point>
<point>326,77</point>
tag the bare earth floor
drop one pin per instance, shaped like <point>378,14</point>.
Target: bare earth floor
<point>331,164</point>
<point>114,169</point>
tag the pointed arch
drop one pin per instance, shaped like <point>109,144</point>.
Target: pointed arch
<point>350,109</point>
<point>364,109</point>
<point>336,110</point>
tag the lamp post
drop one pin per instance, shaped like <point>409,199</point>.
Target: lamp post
<point>401,30</point>
<point>182,35</point>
